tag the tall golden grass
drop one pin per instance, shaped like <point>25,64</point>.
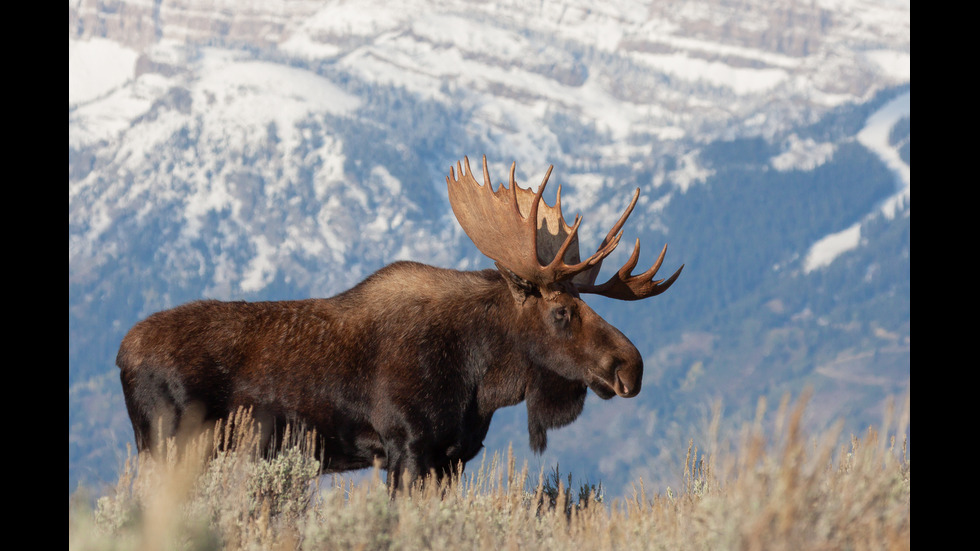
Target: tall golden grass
<point>775,489</point>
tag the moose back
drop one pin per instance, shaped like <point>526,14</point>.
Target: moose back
<point>408,367</point>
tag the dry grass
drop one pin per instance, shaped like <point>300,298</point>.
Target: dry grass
<point>776,490</point>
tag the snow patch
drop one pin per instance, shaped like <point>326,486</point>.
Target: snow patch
<point>802,155</point>
<point>304,46</point>
<point>262,269</point>
<point>109,116</point>
<point>825,251</point>
<point>242,96</point>
<point>741,80</point>
<point>874,136</point>
<point>689,172</point>
<point>363,18</point>
<point>391,185</point>
<point>96,67</point>
<point>698,45</point>
<point>897,65</point>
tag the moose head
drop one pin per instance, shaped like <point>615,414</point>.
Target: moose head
<point>537,253</point>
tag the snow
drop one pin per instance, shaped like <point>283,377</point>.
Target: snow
<point>802,154</point>
<point>494,58</point>
<point>897,65</point>
<point>304,46</point>
<point>704,47</point>
<point>740,80</point>
<point>242,96</point>
<point>109,115</point>
<point>494,53</point>
<point>874,136</point>
<point>362,18</point>
<point>824,252</point>
<point>96,67</point>
<point>688,172</point>
<point>262,269</point>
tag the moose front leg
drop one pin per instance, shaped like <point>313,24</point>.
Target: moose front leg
<point>408,461</point>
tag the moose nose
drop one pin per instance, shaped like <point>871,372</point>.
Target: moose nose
<point>627,381</point>
<point>628,375</point>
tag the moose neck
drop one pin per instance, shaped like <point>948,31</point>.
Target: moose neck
<point>512,375</point>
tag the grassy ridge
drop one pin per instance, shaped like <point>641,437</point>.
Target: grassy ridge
<point>776,489</point>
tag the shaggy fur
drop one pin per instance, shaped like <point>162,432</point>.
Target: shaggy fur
<point>406,368</point>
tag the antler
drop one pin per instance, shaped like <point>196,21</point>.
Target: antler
<point>520,239</point>
<point>624,286</point>
<point>516,228</point>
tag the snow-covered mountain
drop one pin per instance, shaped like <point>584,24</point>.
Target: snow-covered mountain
<point>287,149</point>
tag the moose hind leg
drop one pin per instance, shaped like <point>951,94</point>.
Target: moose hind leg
<point>156,405</point>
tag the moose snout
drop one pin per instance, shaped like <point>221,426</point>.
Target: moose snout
<point>623,373</point>
<point>628,379</point>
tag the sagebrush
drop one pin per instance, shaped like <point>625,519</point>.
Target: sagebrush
<point>776,489</point>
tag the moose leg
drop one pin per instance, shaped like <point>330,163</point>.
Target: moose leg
<point>402,468</point>
<point>155,405</point>
<point>449,471</point>
<point>408,462</point>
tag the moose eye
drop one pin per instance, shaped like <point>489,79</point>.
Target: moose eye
<point>561,315</point>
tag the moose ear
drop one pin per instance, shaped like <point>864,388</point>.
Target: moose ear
<point>552,401</point>
<point>519,287</point>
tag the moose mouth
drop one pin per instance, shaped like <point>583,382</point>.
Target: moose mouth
<point>606,387</point>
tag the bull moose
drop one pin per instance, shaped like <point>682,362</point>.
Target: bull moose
<point>407,367</point>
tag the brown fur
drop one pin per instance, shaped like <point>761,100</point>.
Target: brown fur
<point>406,368</point>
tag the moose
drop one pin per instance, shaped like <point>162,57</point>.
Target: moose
<point>406,369</point>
